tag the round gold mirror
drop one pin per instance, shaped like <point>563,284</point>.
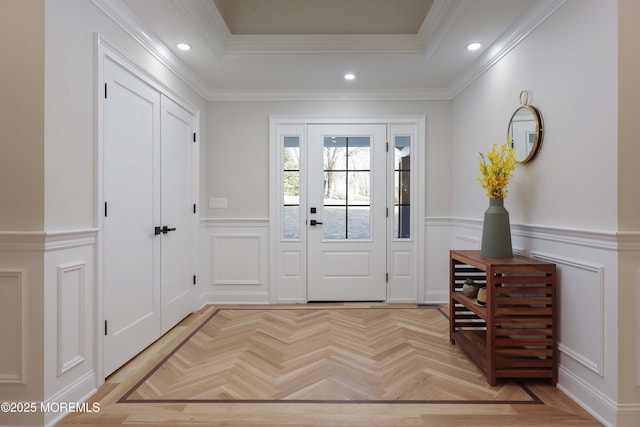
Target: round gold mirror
<point>525,130</point>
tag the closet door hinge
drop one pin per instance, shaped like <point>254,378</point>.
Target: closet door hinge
<point>387,147</point>
<point>105,209</point>
<point>105,327</point>
<point>194,208</point>
<point>194,279</point>
<point>105,91</point>
<point>194,137</point>
<point>386,277</point>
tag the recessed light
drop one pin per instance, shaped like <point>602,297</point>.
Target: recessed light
<point>349,76</point>
<point>474,46</point>
<point>184,46</point>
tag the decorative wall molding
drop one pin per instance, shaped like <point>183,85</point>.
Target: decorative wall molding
<point>234,222</point>
<point>71,316</point>
<point>234,257</point>
<point>595,366</point>
<point>13,320</point>
<point>468,239</point>
<point>237,259</point>
<point>607,240</point>
<point>39,241</point>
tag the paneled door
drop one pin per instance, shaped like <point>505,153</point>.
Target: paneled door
<point>131,257</point>
<point>150,218</point>
<point>177,213</point>
<point>346,212</point>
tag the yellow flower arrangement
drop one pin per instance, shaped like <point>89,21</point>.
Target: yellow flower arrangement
<point>496,169</point>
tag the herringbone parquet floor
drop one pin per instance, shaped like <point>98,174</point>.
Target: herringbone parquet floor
<point>345,364</point>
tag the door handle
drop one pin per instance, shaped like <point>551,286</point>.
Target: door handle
<point>163,230</point>
<point>314,222</point>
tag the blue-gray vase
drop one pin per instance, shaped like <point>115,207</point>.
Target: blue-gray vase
<point>496,231</point>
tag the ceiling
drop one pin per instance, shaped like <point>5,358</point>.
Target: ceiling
<point>301,49</point>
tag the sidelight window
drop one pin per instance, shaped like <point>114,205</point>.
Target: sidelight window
<point>402,188</point>
<point>291,185</point>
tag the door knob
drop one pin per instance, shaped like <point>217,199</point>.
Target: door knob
<point>314,222</point>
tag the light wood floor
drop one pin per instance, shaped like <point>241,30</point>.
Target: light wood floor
<point>307,365</point>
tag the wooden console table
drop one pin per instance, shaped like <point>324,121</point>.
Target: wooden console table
<point>514,335</point>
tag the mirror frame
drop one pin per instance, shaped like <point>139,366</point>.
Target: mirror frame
<point>537,117</point>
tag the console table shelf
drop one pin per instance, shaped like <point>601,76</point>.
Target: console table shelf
<point>514,335</point>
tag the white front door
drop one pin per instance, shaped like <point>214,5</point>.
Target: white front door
<point>346,212</point>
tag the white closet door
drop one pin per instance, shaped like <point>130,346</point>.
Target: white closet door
<point>178,254</point>
<point>132,203</point>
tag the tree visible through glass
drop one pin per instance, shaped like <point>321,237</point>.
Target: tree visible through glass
<point>347,188</point>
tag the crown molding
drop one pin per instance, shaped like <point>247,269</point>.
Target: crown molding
<point>221,42</point>
<point>322,95</point>
<point>302,44</point>
<point>512,37</point>
<point>208,23</point>
<point>441,17</point>
<point>145,37</point>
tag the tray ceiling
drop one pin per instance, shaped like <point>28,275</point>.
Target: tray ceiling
<point>301,49</point>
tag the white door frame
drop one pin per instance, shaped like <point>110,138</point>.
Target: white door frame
<point>287,259</point>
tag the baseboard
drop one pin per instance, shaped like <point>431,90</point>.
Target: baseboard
<point>233,297</point>
<point>593,401</point>
<point>75,393</point>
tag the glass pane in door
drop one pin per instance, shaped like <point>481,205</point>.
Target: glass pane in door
<point>347,188</point>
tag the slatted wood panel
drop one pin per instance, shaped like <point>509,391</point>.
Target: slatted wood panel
<point>556,409</point>
<point>514,335</point>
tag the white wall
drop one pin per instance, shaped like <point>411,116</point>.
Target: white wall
<point>48,236</point>
<point>564,205</point>
<point>568,67</point>
<point>236,167</point>
<point>70,83</point>
<point>237,159</point>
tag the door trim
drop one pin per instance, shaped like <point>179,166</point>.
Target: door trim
<point>288,288</point>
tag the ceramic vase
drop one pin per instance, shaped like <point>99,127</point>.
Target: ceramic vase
<point>496,231</point>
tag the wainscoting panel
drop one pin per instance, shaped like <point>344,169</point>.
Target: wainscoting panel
<point>48,314</point>
<point>12,312</point>
<point>71,315</point>
<point>234,261</point>
<point>581,285</point>
<point>71,360</point>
